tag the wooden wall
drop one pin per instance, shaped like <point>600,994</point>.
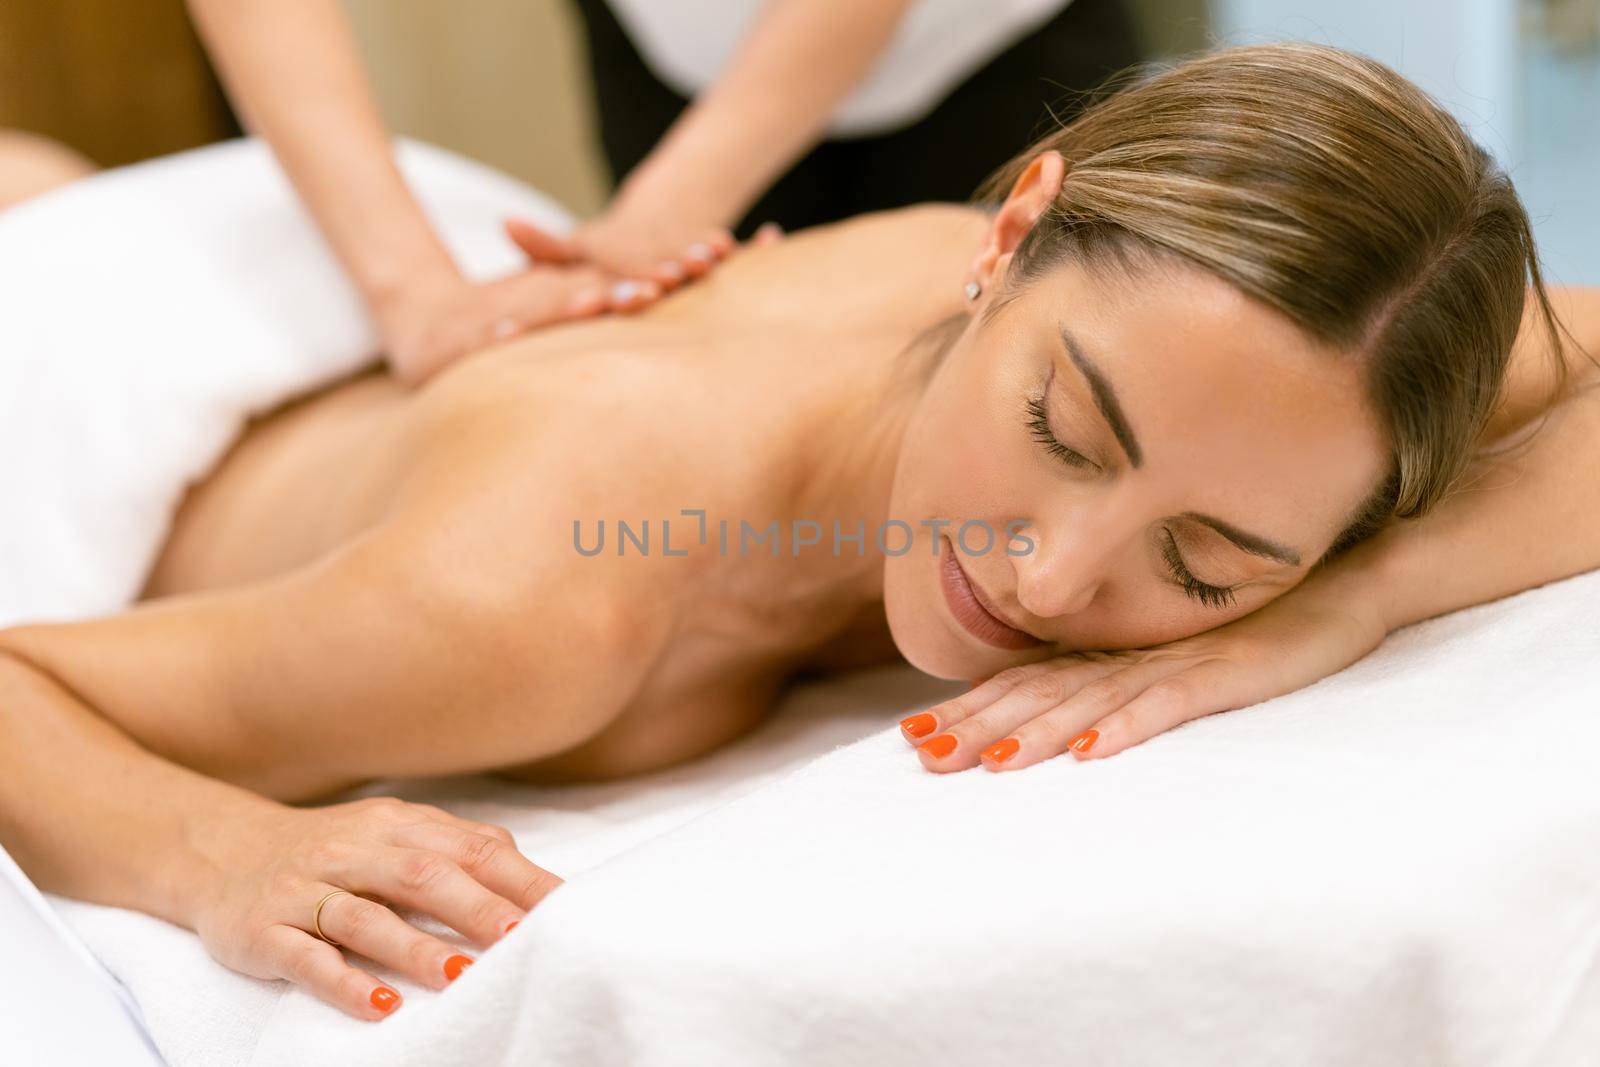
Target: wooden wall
<point>119,80</point>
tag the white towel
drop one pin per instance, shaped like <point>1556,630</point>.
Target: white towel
<point>145,313</point>
<point>1395,866</point>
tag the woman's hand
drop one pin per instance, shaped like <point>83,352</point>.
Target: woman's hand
<point>1097,704</point>
<point>438,318</point>
<point>275,864</point>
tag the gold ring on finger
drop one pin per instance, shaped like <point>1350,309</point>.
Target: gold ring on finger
<point>316,916</point>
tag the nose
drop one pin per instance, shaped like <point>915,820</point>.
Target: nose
<point>1066,569</point>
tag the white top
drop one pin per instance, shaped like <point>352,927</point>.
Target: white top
<point>937,45</point>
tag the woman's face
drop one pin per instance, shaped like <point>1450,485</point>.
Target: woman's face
<point>1176,453</point>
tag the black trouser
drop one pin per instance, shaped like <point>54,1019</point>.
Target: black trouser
<point>982,123</point>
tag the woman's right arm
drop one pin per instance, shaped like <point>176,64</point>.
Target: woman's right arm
<point>293,69</point>
<point>90,814</point>
<point>143,755</point>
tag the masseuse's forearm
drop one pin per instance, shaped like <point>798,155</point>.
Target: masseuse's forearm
<point>1521,519</point>
<point>767,108</point>
<point>89,814</point>
<point>294,71</point>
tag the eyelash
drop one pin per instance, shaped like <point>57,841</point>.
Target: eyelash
<point>1211,595</point>
<point>1039,429</point>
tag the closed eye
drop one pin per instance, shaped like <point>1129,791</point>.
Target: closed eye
<point>1038,422</point>
<point>1214,596</point>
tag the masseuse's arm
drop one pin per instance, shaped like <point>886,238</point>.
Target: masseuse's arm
<point>766,110</point>
<point>294,71</point>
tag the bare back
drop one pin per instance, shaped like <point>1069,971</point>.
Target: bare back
<point>369,554</point>
<point>752,337</point>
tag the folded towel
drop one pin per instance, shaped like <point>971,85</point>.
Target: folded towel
<point>148,312</point>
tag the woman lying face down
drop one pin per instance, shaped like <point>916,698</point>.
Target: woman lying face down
<point>1125,450</point>
<point>1257,307</point>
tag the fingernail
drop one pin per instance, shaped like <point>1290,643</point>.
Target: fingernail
<point>510,926</point>
<point>455,965</point>
<point>1001,751</point>
<point>920,725</point>
<point>385,999</point>
<point>701,251</point>
<point>940,746</point>
<point>623,292</point>
<point>1084,741</point>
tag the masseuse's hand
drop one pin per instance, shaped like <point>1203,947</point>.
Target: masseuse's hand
<point>656,249</point>
<point>1097,704</point>
<point>436,319</point>
<point>277,862</point>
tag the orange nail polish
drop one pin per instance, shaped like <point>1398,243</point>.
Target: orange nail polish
<point>510,926</point>
<point>940,746</point>
<point>920,725</point>
<point>1001,751</point>
<point>385,999</point>
<point>455,965</point>
<point>1084,741</point>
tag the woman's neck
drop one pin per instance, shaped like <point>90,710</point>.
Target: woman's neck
<point>845,473</point>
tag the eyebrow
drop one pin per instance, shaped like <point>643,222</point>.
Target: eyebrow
<point>1105,398</point>
<point>1256,546</point>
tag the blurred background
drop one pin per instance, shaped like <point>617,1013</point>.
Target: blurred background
<point>505,81</point>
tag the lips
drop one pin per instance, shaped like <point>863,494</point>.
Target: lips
<point>968,607</point>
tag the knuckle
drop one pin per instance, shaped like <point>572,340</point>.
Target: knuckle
<point>1049,687</point>
<point>302,964</point>
<point>382,807</point>
<point>351,987</point>
<point>499,833</point>
<point>486,914</point>
<point>1174,690</point>
<point>538,886</point>
<point>1174,695</point>
<point>1103,693</point>
<point>358,919</point>
<point>1012,676</point>
<point>326,854</point>
<point>421,870</point>
<point>478,851</point>
<point>420,955</point>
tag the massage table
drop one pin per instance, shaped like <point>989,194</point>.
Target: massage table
<point>1395,866</point>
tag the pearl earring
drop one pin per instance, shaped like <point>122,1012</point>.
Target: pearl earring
<point>972,290</point>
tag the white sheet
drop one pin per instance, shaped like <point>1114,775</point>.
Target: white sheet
<point>1395,866</point>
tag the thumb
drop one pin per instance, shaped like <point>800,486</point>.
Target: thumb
<point>540,245</point>
<point>532,300</point>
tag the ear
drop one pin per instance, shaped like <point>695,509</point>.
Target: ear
<point>1035,189</point>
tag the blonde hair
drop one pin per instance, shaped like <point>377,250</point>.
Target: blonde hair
<point>1328,187</point>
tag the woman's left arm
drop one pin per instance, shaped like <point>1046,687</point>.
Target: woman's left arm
<point>1526,516</point>
<point>1522,519</point>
